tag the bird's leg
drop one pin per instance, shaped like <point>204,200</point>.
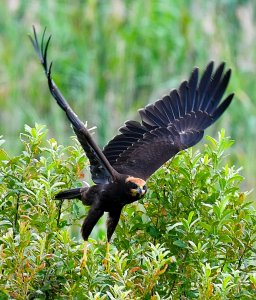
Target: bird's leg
<point>112,221</point>
<point>90,221</point>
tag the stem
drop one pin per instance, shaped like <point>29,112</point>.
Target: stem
<point>158,212</point>
<point>225,260</point>
<point>240,260</point>
<point>16,215</point>
<point>59,212</point>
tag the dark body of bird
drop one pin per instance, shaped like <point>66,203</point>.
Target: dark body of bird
<point>111,198</point>
<point>171,124</point>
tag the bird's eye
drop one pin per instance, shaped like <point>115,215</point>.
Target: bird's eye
<point>145,187</point>
<point>132,185</point>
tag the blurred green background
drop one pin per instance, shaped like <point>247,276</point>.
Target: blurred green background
<point>113,57</point>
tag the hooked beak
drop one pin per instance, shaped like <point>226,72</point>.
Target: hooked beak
<point>140,191</point>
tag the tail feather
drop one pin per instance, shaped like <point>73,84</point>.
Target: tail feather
<point>69,194</point>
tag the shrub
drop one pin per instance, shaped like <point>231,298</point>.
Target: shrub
<point>191,237</point>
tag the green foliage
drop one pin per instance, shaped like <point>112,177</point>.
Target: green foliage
<point>113,57</point>
<point>192,237</point>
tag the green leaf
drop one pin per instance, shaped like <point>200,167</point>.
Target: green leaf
<point>180,244</point>
<point>3,155</point>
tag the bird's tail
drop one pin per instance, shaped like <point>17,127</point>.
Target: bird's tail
<point>70,194</point>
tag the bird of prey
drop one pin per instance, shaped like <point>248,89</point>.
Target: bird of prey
<point>171,124</point>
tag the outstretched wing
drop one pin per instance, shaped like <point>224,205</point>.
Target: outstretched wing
<point>102,171</point>
<point>171,124</point>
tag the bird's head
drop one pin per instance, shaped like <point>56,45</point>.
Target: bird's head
<point>135,187</point>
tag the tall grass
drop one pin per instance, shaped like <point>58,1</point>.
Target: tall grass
<point>113,57</point>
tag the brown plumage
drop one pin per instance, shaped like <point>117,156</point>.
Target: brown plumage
<point>171,124</point>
